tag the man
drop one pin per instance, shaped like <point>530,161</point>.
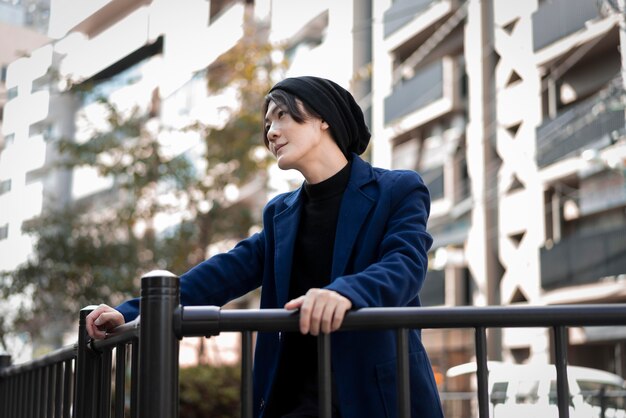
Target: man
<point>352,236</point>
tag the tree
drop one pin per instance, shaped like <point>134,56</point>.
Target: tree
<point>95,250</point>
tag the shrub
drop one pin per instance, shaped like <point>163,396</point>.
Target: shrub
<point>207,391</point>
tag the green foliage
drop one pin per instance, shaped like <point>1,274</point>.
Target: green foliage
<point>207,391</point>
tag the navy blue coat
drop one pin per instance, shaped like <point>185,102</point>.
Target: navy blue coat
<point>380,259</point>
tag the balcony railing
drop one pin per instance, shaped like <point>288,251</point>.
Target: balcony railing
<point>402,12</point>
<point>589,124</point>
<point>584,258</point>
<point>425,87</point>
<point>555,19</point>
<point>34,389</point>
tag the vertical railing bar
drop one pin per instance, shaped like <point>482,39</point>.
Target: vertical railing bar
<point>7,399</point>
<point>58,383</point>
<point>67,388</point>
<point>87,372</point>
<point>246,374</point>
<point>120,379</point>
<point>482,372</point>
<point>15,395</point>
<point>323,375</point>
<point>10,398</point>
<point>562,386</point>
<point>21,407</point>
<point>134,375</point>
<point>37,398</point>
<point>402,365</point>
<point>19,396</point>
<point>6,385</point>
<point>41,402</point>
<point>29,407</point>
<point>51,391</point>
<point>105,384</point>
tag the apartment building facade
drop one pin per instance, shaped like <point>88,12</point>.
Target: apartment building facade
<point>513,114</point>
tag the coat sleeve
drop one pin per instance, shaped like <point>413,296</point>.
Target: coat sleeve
<point>219,279</point>
<point>396,273</point>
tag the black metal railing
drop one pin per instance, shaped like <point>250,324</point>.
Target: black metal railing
<point>402,12</point>
<point>584,257</point>
<point>34,389</point>
<point>424,88</point>
<point>592,123</point>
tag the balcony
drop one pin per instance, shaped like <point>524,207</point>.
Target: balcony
<point>584,258</point>
<point>408,96</point>
<point>557,19</point>
<point>402,12</point>
<point>589,124</point>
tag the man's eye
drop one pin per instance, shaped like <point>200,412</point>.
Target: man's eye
<point>281,113</point>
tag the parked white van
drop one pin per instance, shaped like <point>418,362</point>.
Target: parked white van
<point>517,390</point>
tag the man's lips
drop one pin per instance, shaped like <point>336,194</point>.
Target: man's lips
<point>278,147</point>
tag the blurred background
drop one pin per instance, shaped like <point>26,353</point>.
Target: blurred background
<point>131,140</point>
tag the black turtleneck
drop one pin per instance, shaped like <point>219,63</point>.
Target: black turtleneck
<point>296,384</point>
<point>313,249</point>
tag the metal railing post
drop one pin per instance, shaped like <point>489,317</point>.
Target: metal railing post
<point>158,346</point>
<point>246,374</point>
<point>482,372</point>
<point>562,385</point>
<point>5,385</point>
<point>324,375</point>
<point>85,395</point>
<point>403,385</point>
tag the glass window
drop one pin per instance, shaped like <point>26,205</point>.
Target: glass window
<point>527,391</point>
<point>596,393</point>
<point>498,392</point>
<point>5,186</point>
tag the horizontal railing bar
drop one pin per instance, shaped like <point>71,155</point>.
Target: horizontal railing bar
<point>59,355</point>
<point>123,334</point>
<point>208,320</point>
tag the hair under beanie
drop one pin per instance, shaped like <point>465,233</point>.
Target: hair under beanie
<point>336,106</point>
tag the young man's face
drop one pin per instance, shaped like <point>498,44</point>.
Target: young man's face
<point>295,145</point>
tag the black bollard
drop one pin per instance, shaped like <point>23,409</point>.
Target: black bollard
<point>158,346</point>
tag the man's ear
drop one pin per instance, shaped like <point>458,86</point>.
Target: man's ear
<point>324,125</point>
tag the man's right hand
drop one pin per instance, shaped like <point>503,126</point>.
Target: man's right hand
<point>101,320</point>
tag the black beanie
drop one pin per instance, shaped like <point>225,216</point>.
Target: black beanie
<point>336,106</point>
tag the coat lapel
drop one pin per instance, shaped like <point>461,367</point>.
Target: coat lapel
<point>285,230</point>
<point>354,209</point>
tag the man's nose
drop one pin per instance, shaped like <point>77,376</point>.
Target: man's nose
<point>273,133</point>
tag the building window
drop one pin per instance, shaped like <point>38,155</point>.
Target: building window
<point>12,93</point>
<point>5,186</point>
<point>3,73</point>
<point>4,232</point>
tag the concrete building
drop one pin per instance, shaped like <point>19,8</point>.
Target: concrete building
<point>513,113</point>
